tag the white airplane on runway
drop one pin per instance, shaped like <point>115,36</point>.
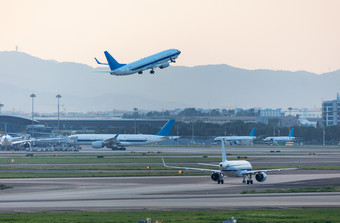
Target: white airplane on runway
<point>116,141</point>
<point>235,168</point>
<point>157,60</point>
<point>238,139</point>
<point>277,139</point>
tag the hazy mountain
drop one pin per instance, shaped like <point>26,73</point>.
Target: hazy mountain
<point>211,86</point>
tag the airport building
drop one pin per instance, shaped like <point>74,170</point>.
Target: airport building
<point>85,125</point>
<point>330,112</point>
<point>13,123</point>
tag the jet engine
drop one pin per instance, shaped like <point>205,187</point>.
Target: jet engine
<point>216,176</point>
<point>164,65</point>
<point>261,177</point>
<point>98,144</point>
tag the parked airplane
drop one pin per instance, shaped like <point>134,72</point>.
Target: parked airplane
<point>235,168</point>
<point>118,141</point>
<point>157,60</point>
<point>9,142</point>
<point>280,139</point>
<point>238,139</point>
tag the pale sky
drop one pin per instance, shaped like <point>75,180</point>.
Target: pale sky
<point>265,34</point>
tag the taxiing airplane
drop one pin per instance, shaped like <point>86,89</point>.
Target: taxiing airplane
<point>280,139</point>
<point>160,60</point>
<point>119,141</point>
<point>238,139</point>
<point>235,168</point>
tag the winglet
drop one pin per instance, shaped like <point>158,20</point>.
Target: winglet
<point>163,162</point>
<point>165,130</point>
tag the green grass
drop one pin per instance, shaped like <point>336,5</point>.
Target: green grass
<point>297,190</point>
<point>245,216</point>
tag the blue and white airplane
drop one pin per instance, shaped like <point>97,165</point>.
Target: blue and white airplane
<point>238,140</point>
<point>160,60</point>
<point>119,141</point>
<point>234,168</point>
<point>280,139</point>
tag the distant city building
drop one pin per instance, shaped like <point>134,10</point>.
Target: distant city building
<point>330,112</point>
<point>271,112</point>
<point>304,113</point>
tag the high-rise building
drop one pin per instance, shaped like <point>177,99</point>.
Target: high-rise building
<point>330,112</point>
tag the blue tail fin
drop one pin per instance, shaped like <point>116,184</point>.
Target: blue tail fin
<point>165,130</point>
<point>112,62</point>
<point>252,133</point>
<point>291,134</point>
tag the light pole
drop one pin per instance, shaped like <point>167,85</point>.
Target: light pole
<point>1,105</point>
<point>32,96</point>
<point>58,97</point>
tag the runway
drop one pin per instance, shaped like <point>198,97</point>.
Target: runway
<point>162,193</point>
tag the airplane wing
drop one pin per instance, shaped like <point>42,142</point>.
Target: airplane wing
<point>208,164</point>
<point>112,141</point>
<point>265,171</point>
<point>190,168</point>
<point>21,141</point>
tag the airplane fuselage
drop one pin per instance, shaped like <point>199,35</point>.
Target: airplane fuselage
<point>235,168</point>
<point>157,60</point>
<point>279,139</point>
<point>6,141</point>
<point>123,139</point>
<point>236,139</point>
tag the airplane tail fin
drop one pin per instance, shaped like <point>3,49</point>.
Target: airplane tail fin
<point>291,134</point>
<point>224,155</point>
<point>165,130</point>
<point>252,133</point>
<point>112,62</point>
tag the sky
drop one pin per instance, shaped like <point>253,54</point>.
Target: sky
<point>264,34</point>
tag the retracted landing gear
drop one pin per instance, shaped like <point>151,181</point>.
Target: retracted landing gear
<point>249,181</point>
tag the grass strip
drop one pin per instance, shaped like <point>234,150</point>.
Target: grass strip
<point>202,216</point>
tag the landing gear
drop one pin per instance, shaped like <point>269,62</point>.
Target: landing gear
<point>249,181</point>
<point>152,71</point>
<point>220,181</point>
<point>140,72</point>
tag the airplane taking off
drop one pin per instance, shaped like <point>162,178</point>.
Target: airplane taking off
<point>160,60</point>
<point>118,141</point>
<point>235,168</point>
<point>238,139</point>
<point>280,139</point>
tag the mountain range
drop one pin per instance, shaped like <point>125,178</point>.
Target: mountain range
<point>208,86</point>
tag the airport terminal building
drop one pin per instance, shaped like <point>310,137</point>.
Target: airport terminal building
<point>13,123</point>
<point>17,124</point>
